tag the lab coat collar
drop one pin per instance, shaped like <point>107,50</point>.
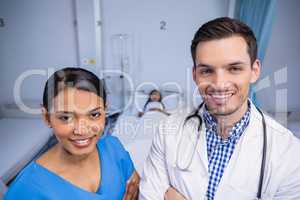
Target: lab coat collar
<point>254,124</point>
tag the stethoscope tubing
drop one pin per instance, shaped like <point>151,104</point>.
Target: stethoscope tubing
<point>195,114</point>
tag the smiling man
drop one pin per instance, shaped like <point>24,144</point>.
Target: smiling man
<point>226,148</point>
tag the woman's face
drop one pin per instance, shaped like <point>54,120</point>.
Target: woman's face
<point>77,118</point>
<point>155,96</point>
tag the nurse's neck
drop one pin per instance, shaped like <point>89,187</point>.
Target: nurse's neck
<point>69,159</point>
<point>226,122</point>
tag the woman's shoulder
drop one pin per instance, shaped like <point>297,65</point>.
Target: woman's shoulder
<point>24,184</point>
<point>111,142</point>
<point>113,148</point>
<point>26,173</point>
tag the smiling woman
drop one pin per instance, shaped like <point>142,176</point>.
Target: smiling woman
<point>80,164</point>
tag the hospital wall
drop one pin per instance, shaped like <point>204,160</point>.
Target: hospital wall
<point>41,35</point>
<point>281,64</point>
<point>37,35</point>
<point>159,36</point>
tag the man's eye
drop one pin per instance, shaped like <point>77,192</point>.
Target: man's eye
<point>205,71</point>
<point>235,69</point>
<point>95,115</point>
<point>65,118</point>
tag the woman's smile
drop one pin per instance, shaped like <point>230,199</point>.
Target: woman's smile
<point>82,142</point>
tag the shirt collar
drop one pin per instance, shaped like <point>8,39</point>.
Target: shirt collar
<point>236,131</point>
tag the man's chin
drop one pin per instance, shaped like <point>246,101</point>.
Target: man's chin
<point>223,113</point>
<point>221,110</point>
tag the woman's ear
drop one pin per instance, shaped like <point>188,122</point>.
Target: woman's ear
<point>46,117</point>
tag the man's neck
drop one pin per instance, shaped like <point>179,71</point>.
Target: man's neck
<point>226,122</point>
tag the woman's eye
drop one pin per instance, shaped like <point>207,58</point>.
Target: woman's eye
<point>95,115</point>
<point>65,118</point>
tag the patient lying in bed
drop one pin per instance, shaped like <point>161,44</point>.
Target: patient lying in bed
<point>154,103</point>
<point>136,133</point>
<point>156,106</point>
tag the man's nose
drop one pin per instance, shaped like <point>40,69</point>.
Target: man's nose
<point>220,80</point>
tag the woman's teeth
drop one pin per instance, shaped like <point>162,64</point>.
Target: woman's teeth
<point>82,142</point>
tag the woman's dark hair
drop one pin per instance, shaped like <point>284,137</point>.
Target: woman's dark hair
<point>225,27</point>
<point>72,77</point>
<point>149,99</point>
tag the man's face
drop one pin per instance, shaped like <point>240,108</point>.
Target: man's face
<point>223,73</point>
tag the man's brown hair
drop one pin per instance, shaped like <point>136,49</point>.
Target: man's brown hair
<point>225,27</point>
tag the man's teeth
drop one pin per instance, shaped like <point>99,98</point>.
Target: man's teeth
<point>221,96</point>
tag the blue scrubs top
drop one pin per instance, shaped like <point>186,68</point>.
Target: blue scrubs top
<point>36,182</point>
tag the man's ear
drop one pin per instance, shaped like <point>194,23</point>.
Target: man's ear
<point>46,117</point>
<point>194,73</point>
<point>255,71</point>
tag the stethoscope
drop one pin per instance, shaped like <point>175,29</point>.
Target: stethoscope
<point>196,115</point>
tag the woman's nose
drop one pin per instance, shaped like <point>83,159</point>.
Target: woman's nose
<point>81,127</point>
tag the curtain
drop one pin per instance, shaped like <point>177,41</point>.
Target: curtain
<point>259,15</point>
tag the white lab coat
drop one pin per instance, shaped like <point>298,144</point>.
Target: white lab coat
<point>241,176</point>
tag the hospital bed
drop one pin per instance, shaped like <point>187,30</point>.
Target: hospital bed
<point>21,140</point>
<point>294,126</point>
<point>136,133</point>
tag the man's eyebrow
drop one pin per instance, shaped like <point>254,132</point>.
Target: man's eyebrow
<point>203,65</point>
<point>236,63</point>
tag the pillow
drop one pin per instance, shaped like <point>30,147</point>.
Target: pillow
<point>171,102</point>
<point>146,88</point>
<point>139,102</point>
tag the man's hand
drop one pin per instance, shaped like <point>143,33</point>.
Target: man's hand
<point>173,194</point>
<point>132,187</point>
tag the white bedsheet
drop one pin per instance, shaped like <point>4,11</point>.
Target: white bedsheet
<point>20,141</point>
<point>136,135</point>
<point>294,126</point>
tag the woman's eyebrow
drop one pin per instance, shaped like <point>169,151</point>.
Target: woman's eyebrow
<point>64,112</point>
<point>70,112</point>
<point>94,109</point>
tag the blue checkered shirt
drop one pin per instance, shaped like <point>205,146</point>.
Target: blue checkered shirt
<point>219,151</point>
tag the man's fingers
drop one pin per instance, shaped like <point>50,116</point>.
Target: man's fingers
<point>135,195</point>
<point>173,194</point>
<point>132,187</point>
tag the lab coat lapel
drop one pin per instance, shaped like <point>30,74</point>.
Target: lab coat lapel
<point>242,172</point>
<point>202,148</point>
<point>198,139</point>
